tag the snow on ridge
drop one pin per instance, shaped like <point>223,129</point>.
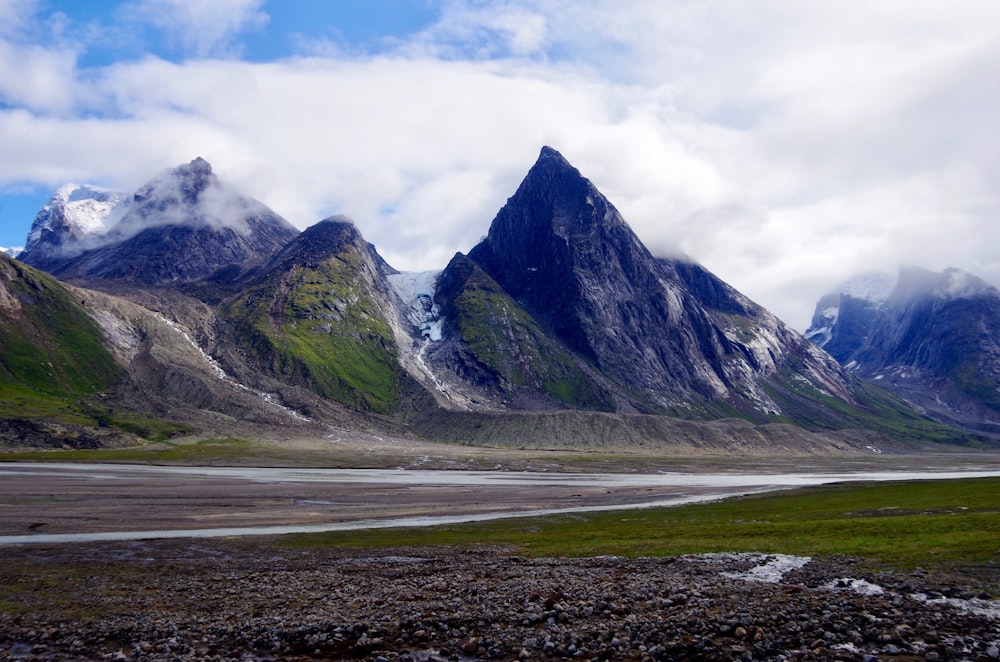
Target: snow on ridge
<point>875,287</point>
<point>88,210</point>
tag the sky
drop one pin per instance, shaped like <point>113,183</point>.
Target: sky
<point>784,145</point>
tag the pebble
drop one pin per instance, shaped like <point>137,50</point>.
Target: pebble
<point>247,602</point>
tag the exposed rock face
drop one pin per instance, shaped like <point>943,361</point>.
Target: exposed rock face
<point>181,227</point>
<point>932,337</point>
<point>663,335</point>
<point>234,315</point>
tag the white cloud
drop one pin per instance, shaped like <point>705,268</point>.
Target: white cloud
<point>15,14</point>
<point>784,145</point>
<point>202,27</point>
<point>479,29</point>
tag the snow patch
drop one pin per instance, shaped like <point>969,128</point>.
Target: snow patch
<point>981,607</point>
<point>859,586</point>
<point>416,290</point>
<point>770,568</point>
<point>89,211</point>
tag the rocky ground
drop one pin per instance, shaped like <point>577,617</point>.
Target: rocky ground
<point>237,600</point>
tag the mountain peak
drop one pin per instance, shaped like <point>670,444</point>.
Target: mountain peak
<point>189,180</point>
<point>73,217</point>
<point>554,172</point>
<point>181,226</point>
<point>549,156</point>
<point>930,337</point>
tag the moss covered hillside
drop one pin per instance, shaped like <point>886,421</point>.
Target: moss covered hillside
<point>316,319</point>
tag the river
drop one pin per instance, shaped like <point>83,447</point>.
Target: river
<point>56,503</point>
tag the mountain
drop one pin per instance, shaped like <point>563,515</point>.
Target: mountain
<point>319,315</point>
<point>180,227</point>
<point>52,355</point>
<point>51,347</point>
<point>934,338</point>
<point>12,251</point>
<point>624,331</point>
<point>74,218</point>
<point>558,330</point>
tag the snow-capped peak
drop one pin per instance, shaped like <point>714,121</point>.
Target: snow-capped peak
<point>81,211</point>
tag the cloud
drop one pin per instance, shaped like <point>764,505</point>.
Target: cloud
<point>784,146</point>
<point>476,29</point>
<point>201,28</point>
<point>15,15</point>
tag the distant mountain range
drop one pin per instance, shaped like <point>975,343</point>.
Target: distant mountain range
<point>559,329</point>
<point>933,338</point>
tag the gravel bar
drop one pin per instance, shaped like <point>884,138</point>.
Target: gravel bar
<point>237,600</point>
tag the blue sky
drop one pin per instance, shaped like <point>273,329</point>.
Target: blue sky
<point>784,145</point>
<point>358,26</point>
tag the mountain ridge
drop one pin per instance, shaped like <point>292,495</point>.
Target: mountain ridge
<point>182,226</point>
<point>932,338</point>
<point>561,308</point>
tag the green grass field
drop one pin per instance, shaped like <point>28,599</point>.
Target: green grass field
<point>943,524</point>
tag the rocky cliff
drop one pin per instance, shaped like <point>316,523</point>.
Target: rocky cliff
<point>934,338</point>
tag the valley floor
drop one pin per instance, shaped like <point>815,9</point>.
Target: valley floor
<point>263,598</point>
<point>73,502</point>
<point>228,600</point>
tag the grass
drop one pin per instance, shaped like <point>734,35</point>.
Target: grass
<point>944,524</point>
<point>227,451</point>
<point>322,327</point>
<point>878,410</point>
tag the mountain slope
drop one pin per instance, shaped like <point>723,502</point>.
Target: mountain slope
<point>318,315</point>
<point>181,227</point>
<point>505,348</point>
<point>49,346</point>
<point>934,338</point>
<point>664,336</point>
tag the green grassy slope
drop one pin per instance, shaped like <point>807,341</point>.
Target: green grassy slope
<point>318,324</point>
<point>51,352</point>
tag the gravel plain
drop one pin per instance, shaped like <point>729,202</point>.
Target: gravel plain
<point>233,599</point>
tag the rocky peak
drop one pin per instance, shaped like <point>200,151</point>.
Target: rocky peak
<point>667,329</point>
<point>330,237</point>
<point>186,182</point>
<point>182,226</point>
<point>932,339</point>
<point>562,250</point>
